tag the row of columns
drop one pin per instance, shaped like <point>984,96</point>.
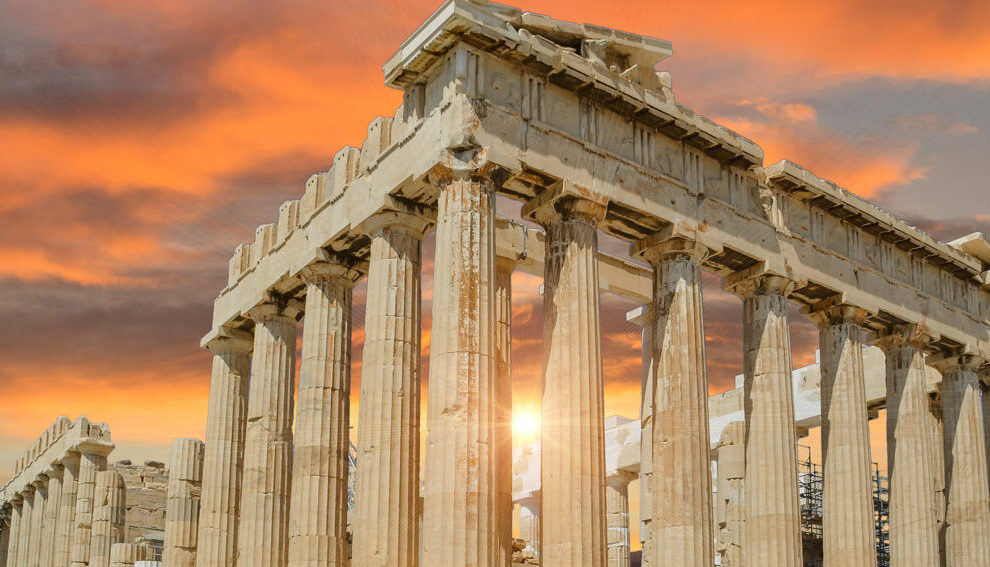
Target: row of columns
<point>245,518</point>
<point>70,516</point>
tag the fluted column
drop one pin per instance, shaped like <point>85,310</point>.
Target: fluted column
<point>573,430</point>
<point>318,523</point>
<point>461,515</point>
<point>617,518</point>
<point>37,522</point>
<point>4,534</point>
<point>682,525</point>
<point>848,531</point>
<point>529,524</point>
<point>185,476</point>
<point>126,554</point>
<point>67,510</point>
<point>773,519</point>
<point>967,521</point>
<point>913,535</point>
<point>109,508</point>
<point>386,530</point>
<point>262,539</point>
<point>53,505</point>
<point>27,527</point>
<point>91,462</point>
<point>643,316</point>
<point>503,404</point>
<point>731,509</point>
<point>223,457</point>
<point>16,523</point>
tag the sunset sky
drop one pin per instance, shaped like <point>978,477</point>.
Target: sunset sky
<point>140,142</point>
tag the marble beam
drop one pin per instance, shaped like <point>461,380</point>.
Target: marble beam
<point>848,529</point>
<point>109,509</point>
<point>967,519</point>
<point>461,514</point>
<point>386,529</point>
<point>318,522</point>
<point>773,518</point>
<point>910,458</point>
<point>185,479</point>
<point>682,526</point>
<point>262,539</point>
<point>573,448</point>
<point>223,457</point>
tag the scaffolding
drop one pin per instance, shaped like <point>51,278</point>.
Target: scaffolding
<point>810,489</point>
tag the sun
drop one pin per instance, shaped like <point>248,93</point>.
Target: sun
<point>525,424</point>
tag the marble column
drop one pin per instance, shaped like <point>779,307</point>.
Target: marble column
<point>91,462</point>
<point>967,521</point>
<point>529,524</point>
<point>67,511</point>
<point>262,538</point>
<point>682,525</point>
<point>223,457</point>
<point>386,530</point>
<point>848,530</point>
<point>773,518</point>
<point>53,505</point>
<point>643,316</point>
<point>109,509</point>
<point>17,527</point>
<point>731,509</point>
<point>126,554</point>
<point>913,521</point>
<point>4,534</point>
<point>24,533</point>
<point>503,404</point>
<point>318,523</point>
<point>617,517</point>
<point>935,436</point>
<point>37,522</point>
<point>185,479</point>
<point>460,516</point>
<point>573,430</point>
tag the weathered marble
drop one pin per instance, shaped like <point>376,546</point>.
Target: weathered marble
<point>617,517</point>
<point>109,507</point>
<point>318,520</point>
<point>503,406</point>
<point>529,524</point>
<point>461,512</point>
<point>126,554</point>
<point>573,451</point>
<point>682,520</point>
<point>913,519</point>
<point>67,511</point>
<point>263,538</point>
<point>226,422</point>
<point>185,482</point>
<point>386,528</point>
<point>967,519</point>
<point>848,529</point>
<point>90,464</point>
<point>53,505</point>
<point>643,316</point>
<point>773,519</point>
<point>730,511</point>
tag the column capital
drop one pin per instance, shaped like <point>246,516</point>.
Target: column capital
<point>564,201</point>
<point>620,477</point>
<point>833,311</point>
<point>954,361</point>
<point>275,305</point>
<point>230,339</point>
<point>402,216</point>
<point>477,169</point>
<point>673,241</point>
<point>505,264</point>
<point>331,266</point>
<point>902,335</point>
<point>757,280</point>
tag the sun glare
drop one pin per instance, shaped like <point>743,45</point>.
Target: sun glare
<point>525,424</point>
